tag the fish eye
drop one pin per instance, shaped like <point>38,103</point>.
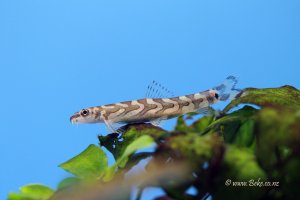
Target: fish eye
<point>216,95</point>
<point>84,112</point>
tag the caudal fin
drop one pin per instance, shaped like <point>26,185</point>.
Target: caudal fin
<point>227,89</point>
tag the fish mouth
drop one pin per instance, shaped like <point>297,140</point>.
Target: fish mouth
<point>73,118</point>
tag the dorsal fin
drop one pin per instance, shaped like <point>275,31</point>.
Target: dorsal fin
<point>157,90</point>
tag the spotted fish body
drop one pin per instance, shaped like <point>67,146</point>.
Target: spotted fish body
<point>155,109</point>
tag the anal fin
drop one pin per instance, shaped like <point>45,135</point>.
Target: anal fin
<point>158,121</point>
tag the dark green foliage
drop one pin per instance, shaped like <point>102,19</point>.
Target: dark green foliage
<point>278,139</point>
<point>117,143</point>
<point>235,128</point>
<point>284,96</point>
<point>246,154</point>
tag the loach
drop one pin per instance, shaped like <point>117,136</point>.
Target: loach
<point>154,110</point>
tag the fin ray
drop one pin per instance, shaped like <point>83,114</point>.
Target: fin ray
<point>113,126</point>
<point>157,90</point>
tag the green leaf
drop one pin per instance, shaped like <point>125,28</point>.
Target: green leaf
<point>117,144</point>
<point>32,192</point>
<point>67,182</point>
<point>114,143</point>
<point>245,134</point>
<point>283,96</point>
<point>201,124</point>
<point>90,164</point>
<point>140,143</point>
<point>236,127</point>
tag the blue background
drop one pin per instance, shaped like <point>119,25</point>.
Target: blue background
<point>57,57</point>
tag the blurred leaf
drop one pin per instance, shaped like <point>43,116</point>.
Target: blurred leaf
<point>32,192</point>
<point>181,125</point>
<point>239,165</point>
<point>278,133</point>
<point>190,148</point>
<point>291,180</point>
<point>283,96</point>
<point>67,182</point>
<point>245,135</point>
<point>278,147</point>
<point>198,149</point>
<point>120,188</point>
<point>89,164</point>
<point>201,124</point>
<point>139,143</point>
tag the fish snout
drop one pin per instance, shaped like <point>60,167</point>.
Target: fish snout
<point>73,118</point>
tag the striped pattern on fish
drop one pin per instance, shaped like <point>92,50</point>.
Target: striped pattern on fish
<point>152,109</point>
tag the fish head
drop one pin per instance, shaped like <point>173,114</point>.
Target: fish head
<point>84,116</point>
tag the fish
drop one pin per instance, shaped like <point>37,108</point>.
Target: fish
<point>155,110</point>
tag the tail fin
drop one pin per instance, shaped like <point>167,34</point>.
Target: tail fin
<point>227,89</point>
